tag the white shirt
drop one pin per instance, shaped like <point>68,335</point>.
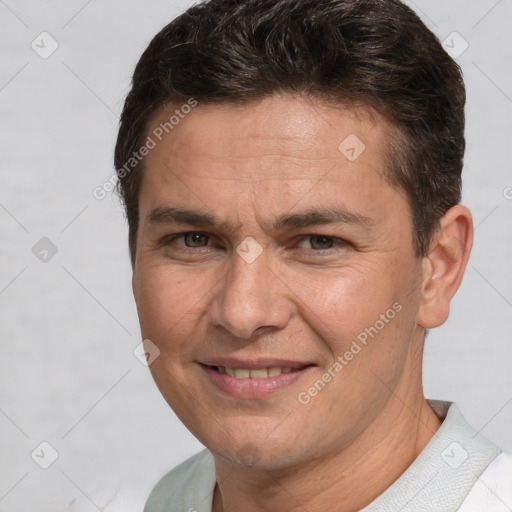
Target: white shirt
<point>459,470</point>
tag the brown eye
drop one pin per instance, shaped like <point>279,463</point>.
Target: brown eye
<point>195,239</point>
<point>320,242</point>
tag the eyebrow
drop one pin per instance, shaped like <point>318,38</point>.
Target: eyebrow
<point>320,217</point>
<point>168,215</point>
<point>305,219</point>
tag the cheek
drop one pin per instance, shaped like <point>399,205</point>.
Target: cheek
<point>168,302</point>
<point>339,305</point>
<point>367,317</point>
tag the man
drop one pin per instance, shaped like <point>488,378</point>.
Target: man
<point>291,171</point>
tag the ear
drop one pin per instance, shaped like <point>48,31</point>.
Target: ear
<point>444,266</point>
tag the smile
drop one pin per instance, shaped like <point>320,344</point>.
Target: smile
<point>257,373</point>
<point>253,383</point>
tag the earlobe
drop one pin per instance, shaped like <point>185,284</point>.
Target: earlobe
<point>443,267</point>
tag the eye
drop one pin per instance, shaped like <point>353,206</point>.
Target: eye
<point>190,239</point>
<point>195,239</point>
<point>321,242</point>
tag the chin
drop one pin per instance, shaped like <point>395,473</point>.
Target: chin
<point>260,455</point>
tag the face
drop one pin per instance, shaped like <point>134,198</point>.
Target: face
<point>275,273</point>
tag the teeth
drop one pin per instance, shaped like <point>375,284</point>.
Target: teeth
<point>274,371</point>
<point>241,373</point>
<point>260,373</point>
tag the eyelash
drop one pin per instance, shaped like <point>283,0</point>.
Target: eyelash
<point>338,242</point>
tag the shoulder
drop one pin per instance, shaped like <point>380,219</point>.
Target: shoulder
<point>492,491</point>
<point>188,486</point>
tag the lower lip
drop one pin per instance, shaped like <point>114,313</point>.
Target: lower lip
<point>252,388</point>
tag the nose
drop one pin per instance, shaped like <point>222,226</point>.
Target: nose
<point>251,298</point>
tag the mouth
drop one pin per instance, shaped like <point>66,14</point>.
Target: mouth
<point>257,373</point>
<point>254,381</point>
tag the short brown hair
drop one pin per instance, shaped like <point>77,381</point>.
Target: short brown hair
<point>375,53</point>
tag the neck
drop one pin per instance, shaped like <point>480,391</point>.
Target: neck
<point>346,481</point>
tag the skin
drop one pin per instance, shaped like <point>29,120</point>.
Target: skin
<point>305,297</point>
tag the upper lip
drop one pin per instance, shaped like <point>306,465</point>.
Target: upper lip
<point>253,364</point>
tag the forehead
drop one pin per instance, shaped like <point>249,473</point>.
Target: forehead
<point>281,147</point>
<point>280,126</point>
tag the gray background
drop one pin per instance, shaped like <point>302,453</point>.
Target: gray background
<point>68,324</point>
